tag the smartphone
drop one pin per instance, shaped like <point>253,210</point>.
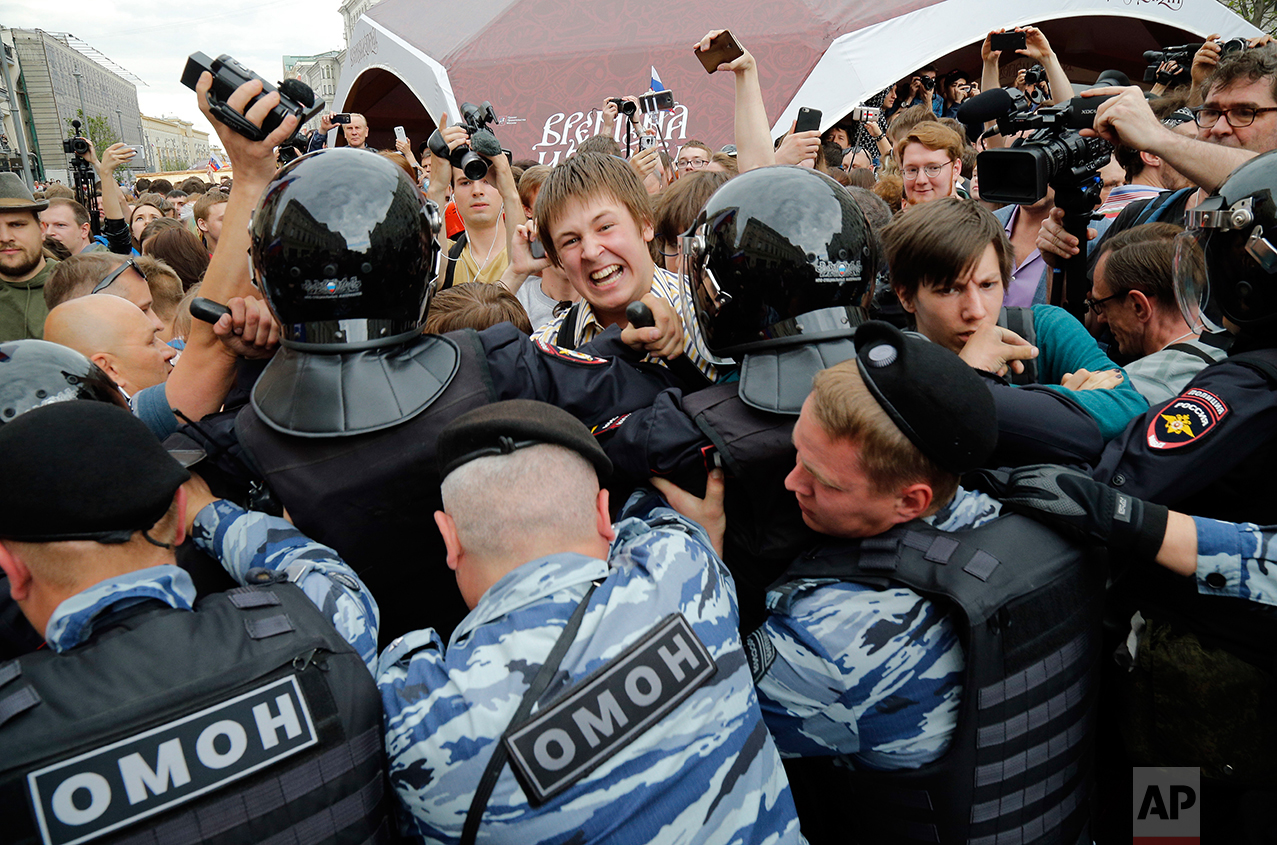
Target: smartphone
<point>400,134</point>
<point>138,150</point>
<point>656,101</point>
<point>808,120</point>
<point>537,248</point>
<point>646,142</point>
<point>341,118</point>
<point>865,114</point>
<point>1007,41</point>
<point>722,49</point>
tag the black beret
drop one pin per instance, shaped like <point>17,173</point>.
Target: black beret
<point>503,427</point>
<point>82,471</point>
<point>936,399</point>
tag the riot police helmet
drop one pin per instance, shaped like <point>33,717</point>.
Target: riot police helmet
<point>779,256</point>
<point>35,373</point>
<point>344,251</point>
<point>1226,260</point>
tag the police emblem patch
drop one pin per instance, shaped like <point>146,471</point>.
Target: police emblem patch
<point>569,354</point>
<point>1187,419</point>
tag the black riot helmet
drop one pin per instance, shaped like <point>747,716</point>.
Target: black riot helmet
<point>36,372</point>
<point>777,258</point>
<point>1226,261</point>
<point>344,250</point>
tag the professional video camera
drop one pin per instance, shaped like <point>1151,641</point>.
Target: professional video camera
<point>295,96</point>
<point>1055,155</point>
<point>83,176</point>
<point>475,120</point>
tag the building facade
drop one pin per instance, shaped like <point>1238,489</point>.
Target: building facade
<point>321,73</point>
<point>64,79</point>
<point>15,119</point>
<point>173,144</point>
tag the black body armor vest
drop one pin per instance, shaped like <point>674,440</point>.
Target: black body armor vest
<point>1027,607</point>
<point>246,720</point>
<point>372,498</point>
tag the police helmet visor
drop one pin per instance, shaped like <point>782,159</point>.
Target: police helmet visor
<point>702,298</point>
<point>1192,289</point>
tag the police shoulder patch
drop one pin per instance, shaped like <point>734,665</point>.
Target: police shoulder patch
<point>570,354</point>
<point>1186,419</point>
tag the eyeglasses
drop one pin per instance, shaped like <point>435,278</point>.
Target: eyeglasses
<point>1238,116</point>
<point>692,163</point>
<point>115,274</point>
<point>1097,305</point>
<point>932,171</point>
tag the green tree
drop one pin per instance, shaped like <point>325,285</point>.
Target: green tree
<point>1260,13</point>
<point>99,131</point>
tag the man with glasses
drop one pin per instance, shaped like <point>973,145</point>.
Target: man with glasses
<point>930,159</point>
<point>23,267</point>
<point>1133,295</point>
<point>87,274</point>
<point>694,155</point>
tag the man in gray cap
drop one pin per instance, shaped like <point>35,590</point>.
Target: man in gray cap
<point>154,714</point>
<point>882,649</point>
<point>23,267</point>
<point>647,727</point>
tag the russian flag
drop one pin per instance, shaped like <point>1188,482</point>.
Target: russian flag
<point>214,164</point>
<point>656,80</point>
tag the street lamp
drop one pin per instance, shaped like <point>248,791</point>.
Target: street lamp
<point>79,83</point>
<point>119,115</point>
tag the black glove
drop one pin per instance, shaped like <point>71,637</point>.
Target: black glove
<point>1075,504</point>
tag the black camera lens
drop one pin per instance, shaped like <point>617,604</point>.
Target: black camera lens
<point>473,165</point>
<point>79,146</point>
<point>928,82</point>
<point>1232,45</point>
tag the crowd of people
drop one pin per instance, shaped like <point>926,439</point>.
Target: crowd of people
<point>751,495</point>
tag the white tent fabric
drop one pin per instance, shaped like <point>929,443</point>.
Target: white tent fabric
<point>856,66</point>
<point>372,46</point>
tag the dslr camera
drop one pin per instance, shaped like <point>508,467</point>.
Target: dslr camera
<point>76,144</point>
<point>1055,155</point>
<point>470,158</point>
<point>625,107</point>
<point>295,96</point>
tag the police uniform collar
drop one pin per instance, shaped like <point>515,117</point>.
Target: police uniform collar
<point>528,584</point>
<point>74,620</point>
<point>341,394</point>
<point>779,380</point>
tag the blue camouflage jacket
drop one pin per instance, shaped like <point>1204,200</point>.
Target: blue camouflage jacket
<point>874,675</point>
<point>1236,559</point>
<point>706,772</point>
<point>241,540</point>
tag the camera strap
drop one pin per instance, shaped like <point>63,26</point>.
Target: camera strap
<point>454,255</point>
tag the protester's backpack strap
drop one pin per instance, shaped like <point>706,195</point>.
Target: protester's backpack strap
<point>454,255</point>
<point>1020,321</point>
<point>567,332</point>
<point>1157,206</point>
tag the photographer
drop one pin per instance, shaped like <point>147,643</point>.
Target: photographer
<point>1036,47</point>
<point>1237,122</point>
<point>355,132</point>
<point>922,89</point>
<point>487,206</point>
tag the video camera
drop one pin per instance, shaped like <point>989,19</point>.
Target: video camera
<point>1055,155</point>
<point>75,145</point>
<point>295,96</point>
<point>475,120</point>
<point>1183,56</point>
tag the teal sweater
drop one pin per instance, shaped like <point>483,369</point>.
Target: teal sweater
<point>1064,346</point>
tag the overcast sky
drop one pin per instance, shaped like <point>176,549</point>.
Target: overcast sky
<point>152,43</point>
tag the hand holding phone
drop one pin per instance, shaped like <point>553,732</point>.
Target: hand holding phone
<point>341,118</point>
<point>400,134</point>
<point>723,49</point>
<point>1007,41</point>
<point>808,120</point>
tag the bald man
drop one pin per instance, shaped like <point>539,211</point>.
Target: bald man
<point>117,336</point>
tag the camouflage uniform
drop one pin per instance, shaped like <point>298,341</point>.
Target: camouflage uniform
<point>1236,559</point>
<point>241,540</point>
<point>874,675</point>
<point>707,772</point>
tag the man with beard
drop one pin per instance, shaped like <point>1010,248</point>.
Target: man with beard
<point>23,267</point>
